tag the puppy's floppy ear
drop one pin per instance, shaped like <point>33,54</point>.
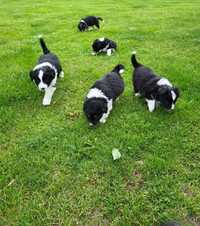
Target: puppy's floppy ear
<point>176,90</point>
<point>31,74</point>
<point>162,90</point>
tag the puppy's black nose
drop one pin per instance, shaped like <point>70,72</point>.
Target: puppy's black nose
<point>43,89</point>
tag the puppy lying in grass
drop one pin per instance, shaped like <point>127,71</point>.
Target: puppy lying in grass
<point>153,88</point>
<point>99,101</point>
<point>46,72</point>
<point>89,22</point>
<point>104,45</point>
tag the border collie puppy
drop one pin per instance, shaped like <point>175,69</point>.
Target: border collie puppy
<point>153,88</point>
<point>170,223</point>
<point>99,101</point>
<point>88,22</point>
<point>46,72</point>
<point>104,45</point>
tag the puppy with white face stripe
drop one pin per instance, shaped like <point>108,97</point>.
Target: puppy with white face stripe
<point>152,87</point>
<point>104,45</point>
<point>46,72</point>
<point>99,100</point>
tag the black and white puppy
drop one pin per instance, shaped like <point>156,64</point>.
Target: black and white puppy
<point>99,101</point>
<point>104,45</point>
<point>89,22</point>
<point>46,72</point>
<point>153,88</point>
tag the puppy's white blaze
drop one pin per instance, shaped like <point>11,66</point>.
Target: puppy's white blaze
<point>121,71</point>
<point>101,39</point>
<point>109,52</point>
<point>96,93</point>
<point>41,84</point>
<point>164,81</point>
<point>173,95</point>
<point>151,105</point>
<point>48,95</point>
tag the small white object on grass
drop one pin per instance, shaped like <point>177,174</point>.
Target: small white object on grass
<point>116,154</point>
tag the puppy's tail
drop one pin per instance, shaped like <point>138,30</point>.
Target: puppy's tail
<point>134,61</point>
<point>119,69</point>
<point>43,46</point>
<point>99,18</point>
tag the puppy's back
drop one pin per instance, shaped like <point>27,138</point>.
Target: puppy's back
<point>115,83</point>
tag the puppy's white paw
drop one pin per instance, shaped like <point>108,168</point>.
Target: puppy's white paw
<point>103,121</point>
<point>109,52</point>
<point>93,54</point>
<point>151,105</point>
<point>46,102</point>
<point>90,124</point>
<point>137,94</point>
<point>62,74</point>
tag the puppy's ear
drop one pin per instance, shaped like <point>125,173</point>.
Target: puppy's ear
<point>176,90</point>
<point>31,74</point>
<point>162,90</point>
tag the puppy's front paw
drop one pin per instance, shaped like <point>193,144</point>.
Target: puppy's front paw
<point>93,54</point>
<point>46,102</point>
<point>103,121</point>
<point>109,52</point>
<point>62,74</point>
<point>137,95</point>
<point>151,105</point>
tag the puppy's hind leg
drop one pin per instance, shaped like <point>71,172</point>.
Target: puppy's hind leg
<point>151,105</point>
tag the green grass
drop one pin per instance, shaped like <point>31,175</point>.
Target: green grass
<point>54,169</point>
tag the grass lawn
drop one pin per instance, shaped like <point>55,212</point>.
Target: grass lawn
<point>54,169</point>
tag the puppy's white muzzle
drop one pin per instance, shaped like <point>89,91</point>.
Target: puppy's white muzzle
<point>42,86</point>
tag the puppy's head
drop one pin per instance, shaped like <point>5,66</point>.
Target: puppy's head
<point>119,69</point>
<point>94,109</point>
<point>168,96</point>
<point>82,26</point>
<point>42,77</point>
<point>98,44</point>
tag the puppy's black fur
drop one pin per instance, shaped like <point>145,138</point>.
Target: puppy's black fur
<point>153,87</point>
<point>102,95</point>
<point>102,45</point>
<point>49,73</point>
<point>89,21</point>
